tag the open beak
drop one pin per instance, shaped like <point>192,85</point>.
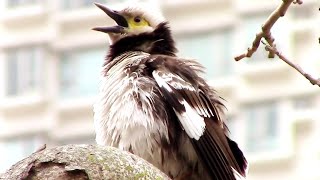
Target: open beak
<point>118,18</point>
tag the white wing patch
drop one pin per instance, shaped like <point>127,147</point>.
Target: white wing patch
<point>237,175</point>
<point>190,120</point>
<point>161,82</point>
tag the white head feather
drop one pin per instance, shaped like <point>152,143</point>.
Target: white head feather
<point>151,11</point>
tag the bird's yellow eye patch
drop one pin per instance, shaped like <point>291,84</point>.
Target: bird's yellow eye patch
<point>137,22</point>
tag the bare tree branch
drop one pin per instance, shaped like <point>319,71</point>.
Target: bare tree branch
<point>312,80</point>
<point>266,29</point>
<point>270,46</point>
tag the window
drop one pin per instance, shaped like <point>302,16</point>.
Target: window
<point>304,102</point>
<point>75,4</point>
<point>212,50</point>
<point>262,127</point>
<point>24,71</point>
<point>16,3</point>
<point>14,150</point>
<point>80,72</point>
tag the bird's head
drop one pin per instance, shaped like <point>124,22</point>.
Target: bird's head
<point>138,28</point>
<point>131,20</point>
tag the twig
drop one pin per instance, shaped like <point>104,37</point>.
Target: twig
<point>41,148</point>
<point>312,80</point>
<point>266,29</point>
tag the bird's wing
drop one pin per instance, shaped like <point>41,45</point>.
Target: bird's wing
<point>185,101</point>
<point>199,118</point>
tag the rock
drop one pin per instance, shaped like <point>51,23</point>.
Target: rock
<point>83,162</point>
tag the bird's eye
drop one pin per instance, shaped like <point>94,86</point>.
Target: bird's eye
<point>137,19</point>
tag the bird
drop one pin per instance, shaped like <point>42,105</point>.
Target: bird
<point>157,105</point>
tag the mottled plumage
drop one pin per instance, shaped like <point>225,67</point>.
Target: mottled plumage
<point>157,106</point>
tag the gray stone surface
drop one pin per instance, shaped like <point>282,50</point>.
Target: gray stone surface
<point>83,162</point>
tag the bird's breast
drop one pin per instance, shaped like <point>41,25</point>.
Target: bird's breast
<point>129,113</point>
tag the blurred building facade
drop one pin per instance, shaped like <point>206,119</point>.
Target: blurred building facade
<point>50,63</point>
